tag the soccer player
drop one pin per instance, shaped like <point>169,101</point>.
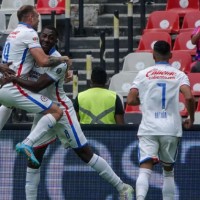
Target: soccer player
<point>49,81</point>
<point>22,48</point>
<point>157,89</point>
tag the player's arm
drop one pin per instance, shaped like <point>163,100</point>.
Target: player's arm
<point>190,105</point>
<point>44,60</point>
<point>133,97</point>
<point>43,82</point>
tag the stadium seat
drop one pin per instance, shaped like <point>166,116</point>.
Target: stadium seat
<point>190,21</point>
<point>45,7</point>
<point>13,22</point>
<point>121,82</point>
<point>195,83</point>
<point>132,115</point>
<point>163,21</point>
<point>148,40</point>
<point>182,6</point>
<point>182,108</point>
<point>181,60</point>
<point>137,61</point>
<point>10,6</point>
<point>2,23</point>
<point>183,42</point>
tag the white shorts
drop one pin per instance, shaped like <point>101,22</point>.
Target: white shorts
<point>17,97</point>
<point>67,129</point>
<point>158,148</point>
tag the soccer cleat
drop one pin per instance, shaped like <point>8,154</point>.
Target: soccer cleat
<point>28,152</point>
<point>126,193</point>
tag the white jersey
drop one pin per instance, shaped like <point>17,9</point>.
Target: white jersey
<point>67,128</point>
<point>16,48</point>
<point>55,91</point>
<point>159,88</point>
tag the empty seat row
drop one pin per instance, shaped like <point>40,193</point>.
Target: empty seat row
<point>42,6</point>
<point>169,22</point>
<point>182,41</point>
<point>137,61</point>
<point>182,7</point>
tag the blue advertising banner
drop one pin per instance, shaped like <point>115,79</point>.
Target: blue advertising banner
<point>65,176</point>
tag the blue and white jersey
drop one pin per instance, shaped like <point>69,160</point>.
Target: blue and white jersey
<point>55,91</point>
<point>159,88</point>
<point>16,48</point>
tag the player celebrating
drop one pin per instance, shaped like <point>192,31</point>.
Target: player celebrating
<point>49,81</point>
<point>22,48</point>
<point>157,89</point>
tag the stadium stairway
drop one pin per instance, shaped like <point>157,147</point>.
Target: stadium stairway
<point>81,45</point>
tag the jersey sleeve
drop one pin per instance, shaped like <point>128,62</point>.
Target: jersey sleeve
<point>136,81</point>
<point>184,80</point>
<point>31,39</point>
<point>56,73</point>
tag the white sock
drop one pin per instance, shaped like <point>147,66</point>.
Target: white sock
<point>105,171</point>
<point>142,183</point>
<point>44,124</point>
<point>5,113</point>
<point>168,190</point>
<point>32,182</point>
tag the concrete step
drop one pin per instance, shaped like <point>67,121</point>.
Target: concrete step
<point>107,20</point>
<point>93,42</point>
<point>109,53</point>
<point>80,64</point>
<point>123,30</point>
<point>122,8</point>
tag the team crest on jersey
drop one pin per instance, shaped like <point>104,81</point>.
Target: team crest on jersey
<point>59,70</point>
<point>43,98</point>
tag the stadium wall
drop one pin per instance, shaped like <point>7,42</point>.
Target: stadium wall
<point>64,176</point>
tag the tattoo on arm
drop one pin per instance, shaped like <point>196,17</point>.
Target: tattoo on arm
<point>54,61</point>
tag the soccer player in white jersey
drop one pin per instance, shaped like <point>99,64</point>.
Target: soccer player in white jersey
<point>22,48</point>
<point>49,81</point>
<point>157,89</point>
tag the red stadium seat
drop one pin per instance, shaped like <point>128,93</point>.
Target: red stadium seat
<point>163,21</point>
<point>195,83</point>
<point>181,60</point>
<point>190,21</point>
<point>132,109</point>
<point>183,43</point>
<point>182,6</point>
<point>45,7</point>
<point>148,40</point>
<point>132,115</point>
<point>182,108</point>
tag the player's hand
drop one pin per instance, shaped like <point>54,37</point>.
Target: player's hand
<point>5,70</point>
<point>66,59</point>
<point>188,123</point>
<point>7,78</point>
<point>68,76</point>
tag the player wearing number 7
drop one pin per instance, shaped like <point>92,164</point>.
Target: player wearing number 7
<point>157,89</point>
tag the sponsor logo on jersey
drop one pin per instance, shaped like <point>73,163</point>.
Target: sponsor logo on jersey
<point>13,34</point>
<point>43,98</point>
<point>160,74</point>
